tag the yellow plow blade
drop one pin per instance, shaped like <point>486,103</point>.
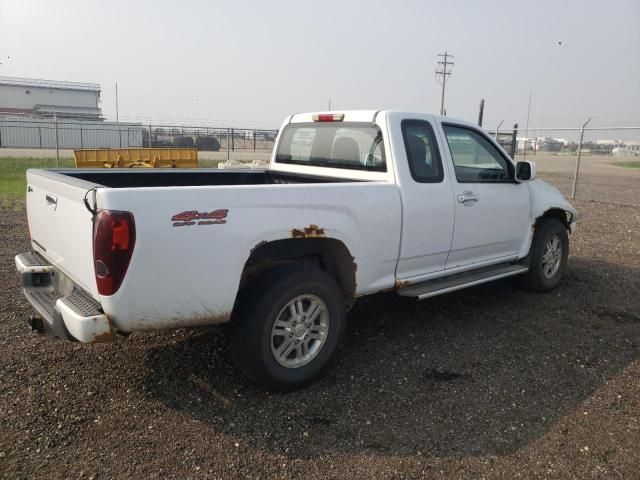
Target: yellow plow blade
<point>137,158</point>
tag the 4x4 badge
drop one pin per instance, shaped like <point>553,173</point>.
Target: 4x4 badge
<point>193,217</point>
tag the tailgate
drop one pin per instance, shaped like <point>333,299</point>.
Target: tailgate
<point>60,225</point>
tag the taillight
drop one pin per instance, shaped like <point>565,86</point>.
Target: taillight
<point>114,235</point>
<point>328,117</point>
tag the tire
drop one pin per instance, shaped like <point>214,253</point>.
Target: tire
<point>260,347</point>
<point>548,257</point>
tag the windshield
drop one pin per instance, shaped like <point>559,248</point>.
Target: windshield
<point>339,145</point>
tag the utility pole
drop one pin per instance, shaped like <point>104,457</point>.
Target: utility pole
<point>117,113</point>
<point>443,71</point>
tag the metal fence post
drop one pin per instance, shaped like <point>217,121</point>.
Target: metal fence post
<point>254,140</point>
<point>55,120</point>
<point>514,141</point>
<point>498,130</point>
<point>233,138</point>
<point>575,175</point>
<point>228,157</point>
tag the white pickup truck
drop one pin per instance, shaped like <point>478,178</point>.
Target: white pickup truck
<point>352,204</point>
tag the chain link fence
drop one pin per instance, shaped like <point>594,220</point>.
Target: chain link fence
<point>209,139</point>
<point>16,132</point>
<point>595,164</point>
<point>588,163</point>
<point>52,133</point>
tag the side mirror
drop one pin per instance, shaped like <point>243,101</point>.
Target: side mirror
<point>525,171</point>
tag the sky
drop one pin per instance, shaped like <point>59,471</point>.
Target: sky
<point>251,63</point>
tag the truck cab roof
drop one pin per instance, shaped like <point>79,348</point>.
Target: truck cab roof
<point>371,116</point>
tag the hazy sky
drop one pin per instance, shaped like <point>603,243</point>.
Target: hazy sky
<point>253,62</point>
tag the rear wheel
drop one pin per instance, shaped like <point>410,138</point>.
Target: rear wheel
<point>549,256</point>
<point>288,326</point>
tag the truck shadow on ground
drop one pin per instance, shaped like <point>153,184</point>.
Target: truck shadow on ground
<point>482,371</point>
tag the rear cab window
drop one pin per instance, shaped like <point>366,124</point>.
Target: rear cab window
<point>422,151</point>
<point>352,145</point>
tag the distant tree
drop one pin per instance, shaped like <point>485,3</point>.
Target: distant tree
<point>208,143</point>
<point>184,142</point>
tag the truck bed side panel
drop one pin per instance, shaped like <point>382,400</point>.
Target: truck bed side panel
<point>186,273</point>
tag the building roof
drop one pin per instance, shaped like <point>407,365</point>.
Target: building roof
<point>34,82</point>
<point>65,111</point>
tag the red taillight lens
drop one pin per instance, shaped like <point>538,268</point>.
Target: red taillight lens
<point>114,235</point>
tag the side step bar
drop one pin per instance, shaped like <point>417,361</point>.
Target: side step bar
<point>450,283</point>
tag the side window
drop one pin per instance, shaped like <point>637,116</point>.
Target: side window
<point>422,151</point>
<point>475,159</point>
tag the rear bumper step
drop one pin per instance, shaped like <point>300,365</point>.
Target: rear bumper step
<point>32,262</point>
<point>75,316</point>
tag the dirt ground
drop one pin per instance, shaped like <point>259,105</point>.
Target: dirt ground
<point>489,382</point>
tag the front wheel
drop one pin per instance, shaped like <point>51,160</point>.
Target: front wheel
<point>288,326</point>
<point>549,256</point>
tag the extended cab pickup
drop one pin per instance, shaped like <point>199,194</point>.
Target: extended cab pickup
<point>352,204</point>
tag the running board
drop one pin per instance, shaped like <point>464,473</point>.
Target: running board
<point>458,281</point>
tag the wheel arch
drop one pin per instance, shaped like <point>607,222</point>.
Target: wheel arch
<point>328,254</point>
<point>548,202</point>
<point>560,214</point>
<point>566,217</point>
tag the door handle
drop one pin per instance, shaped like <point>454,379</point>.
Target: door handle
<point>467,198</point>
<point>52,201</point>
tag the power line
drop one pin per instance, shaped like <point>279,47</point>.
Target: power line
<point>443,71</point>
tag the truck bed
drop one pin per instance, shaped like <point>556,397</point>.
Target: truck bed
<point>187,273</point>
<point>139,177</point>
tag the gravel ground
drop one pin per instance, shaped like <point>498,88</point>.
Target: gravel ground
<point>488,382</point>
<point>620,189</point>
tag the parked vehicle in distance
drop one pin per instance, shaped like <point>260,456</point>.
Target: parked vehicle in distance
<point>353,203</point>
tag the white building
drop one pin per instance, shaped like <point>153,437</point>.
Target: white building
<point>44,98</point>
<point>48,114</point>
<point>547,144</point>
